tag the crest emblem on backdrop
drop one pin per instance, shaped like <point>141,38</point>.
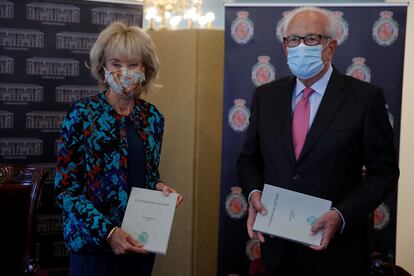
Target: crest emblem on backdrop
<point>381,216</point>
<point>239,116</point>
<point>342,29</point>
<point>253,249</point>
<point>385,29</point>
<point>359,70</point>
<point>236,203</point>
<point>263,71</point>
<point>279,31</point>
<point>242,28</point>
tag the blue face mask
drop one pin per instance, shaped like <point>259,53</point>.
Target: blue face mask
<point>305,61</point>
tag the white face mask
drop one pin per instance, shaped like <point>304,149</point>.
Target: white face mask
<point>124,81</point>
<point>305,61</point>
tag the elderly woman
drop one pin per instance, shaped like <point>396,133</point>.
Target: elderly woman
<point>110,143</point>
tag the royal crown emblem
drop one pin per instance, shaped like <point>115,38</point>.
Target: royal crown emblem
<point>236,203</point>
<point>239,116</point>
<point>242,28</point>
<point>341,27</point>
<point>263,71</point>
<point>359,69</point>
<point>385,30</point>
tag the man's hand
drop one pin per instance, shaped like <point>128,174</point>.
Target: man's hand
<point>255,206</point>
<point>166,190</point>
<point>328,224</point>
<point>121,243</point>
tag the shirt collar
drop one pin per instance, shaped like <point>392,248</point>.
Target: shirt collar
<point>319,86</point>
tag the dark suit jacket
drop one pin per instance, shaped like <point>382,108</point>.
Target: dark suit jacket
<point>351,129</point>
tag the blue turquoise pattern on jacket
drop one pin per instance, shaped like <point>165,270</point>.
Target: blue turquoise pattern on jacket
<point>91,177</point>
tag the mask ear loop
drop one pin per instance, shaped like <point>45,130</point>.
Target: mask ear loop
<point>106,72</point>
<point>105,81</point>
<point>323,48</point>
<point>143,79</point>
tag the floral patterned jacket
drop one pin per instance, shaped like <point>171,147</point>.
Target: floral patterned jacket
<point>91,178</point>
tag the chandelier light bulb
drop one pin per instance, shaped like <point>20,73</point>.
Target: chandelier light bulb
<point>191,13</point>
<point>158,19</point>
<point>202,21</point>
<point>175,20</point>
<point>210,17</point>
<point>164,13</point>
<point>151,13</point>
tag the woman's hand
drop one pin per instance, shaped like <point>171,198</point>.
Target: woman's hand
<point>167,190</point>
<point>121,243</point>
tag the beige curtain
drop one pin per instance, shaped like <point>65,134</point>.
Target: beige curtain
<point>191,99</point>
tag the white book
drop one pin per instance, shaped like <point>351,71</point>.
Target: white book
<point>290,215</point>
<point>148,218</point>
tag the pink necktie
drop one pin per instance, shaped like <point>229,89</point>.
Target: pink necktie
<point>300,123</point>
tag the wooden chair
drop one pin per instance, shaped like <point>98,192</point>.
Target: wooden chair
<point>20,189</point>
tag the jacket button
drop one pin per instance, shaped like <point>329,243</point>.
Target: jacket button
<point>296,177</point>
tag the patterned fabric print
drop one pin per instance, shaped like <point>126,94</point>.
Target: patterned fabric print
<point>91,177</point>
<point>124,81</point>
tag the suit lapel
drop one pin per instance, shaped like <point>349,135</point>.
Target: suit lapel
<point>285,106</point>
<point>332,100</point>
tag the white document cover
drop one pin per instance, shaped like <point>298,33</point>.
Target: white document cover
<point>148,218</point>
<point>290,215</point>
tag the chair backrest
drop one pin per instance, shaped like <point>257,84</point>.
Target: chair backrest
<point>20,189</point>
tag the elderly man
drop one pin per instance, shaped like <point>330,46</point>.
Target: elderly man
<point>313,133</point>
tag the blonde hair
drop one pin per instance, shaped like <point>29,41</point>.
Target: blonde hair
<point>330,28</point>
<point>120,40</point>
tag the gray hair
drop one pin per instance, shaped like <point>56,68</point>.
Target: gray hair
<point>332,21</point>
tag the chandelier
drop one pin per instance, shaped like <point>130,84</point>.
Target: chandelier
<point>174,13</point>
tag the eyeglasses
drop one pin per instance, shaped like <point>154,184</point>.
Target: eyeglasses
<point>309,40</point>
